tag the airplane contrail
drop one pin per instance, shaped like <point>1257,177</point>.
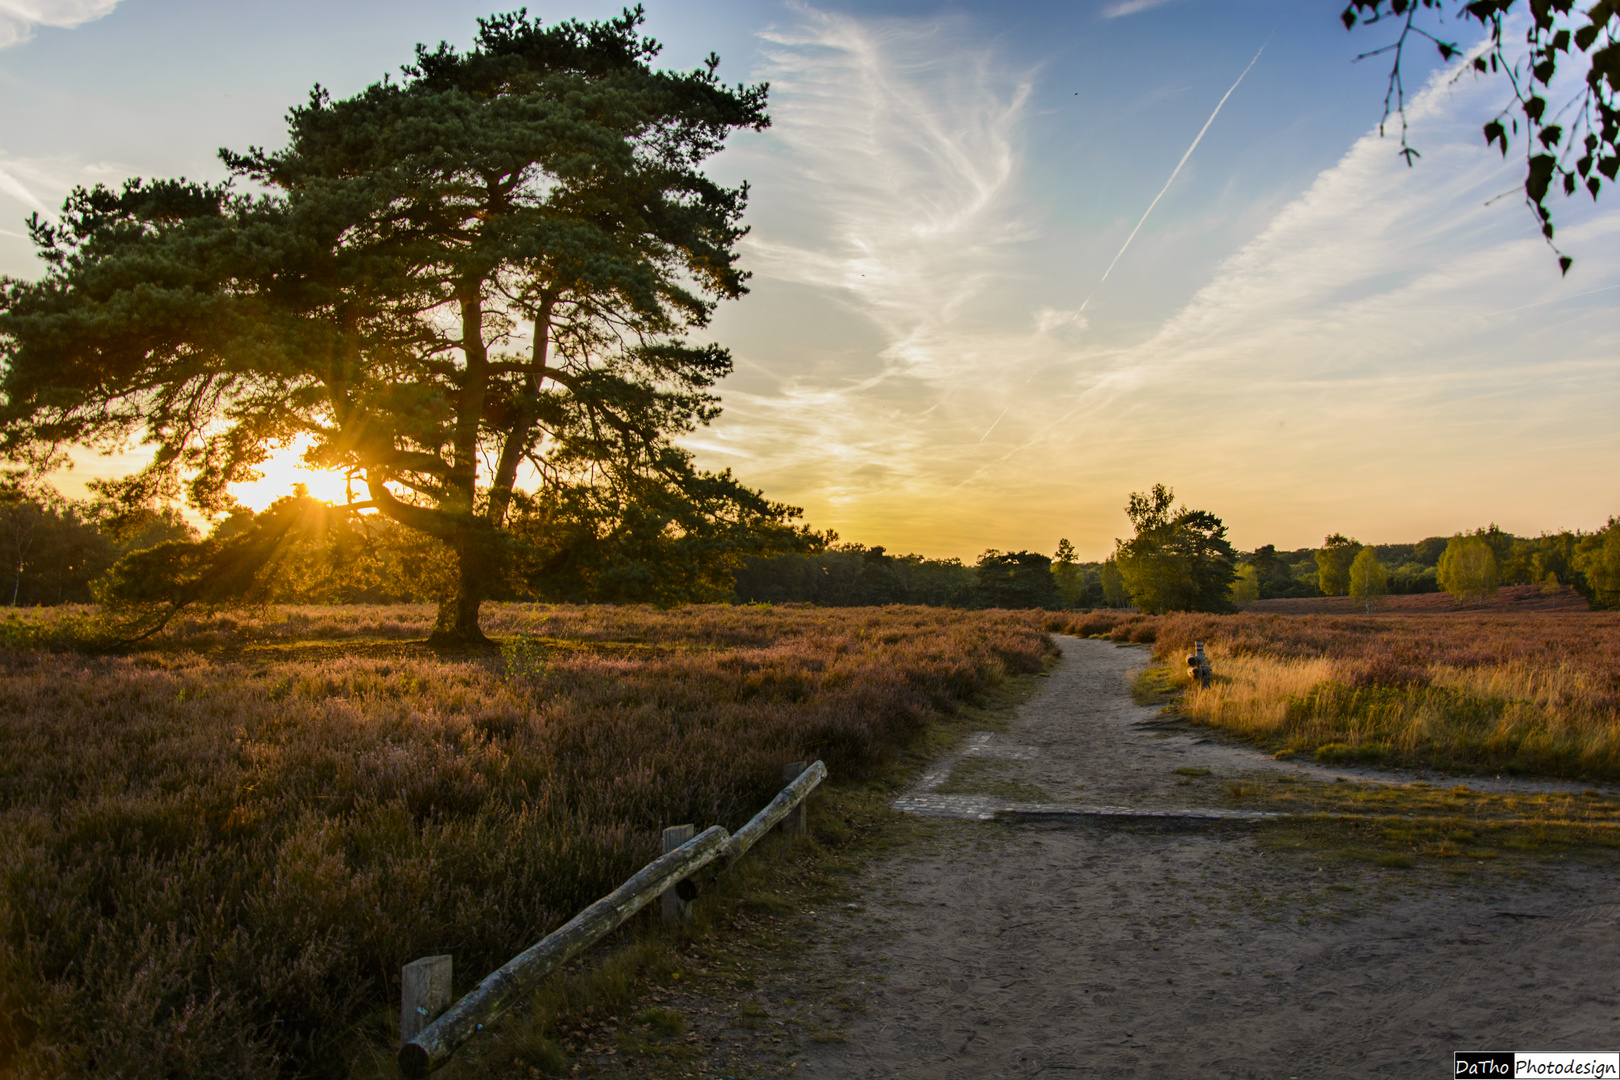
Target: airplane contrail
<point>993,424</point>
<point>1176,171</point>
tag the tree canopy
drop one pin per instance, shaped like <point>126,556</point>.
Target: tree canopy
<point>1066,573</point>
<point>1468,568</point>
<point>1016,579</point>
<point>1179,559</point>
<point>1568,145</point>
<point>1333,561</point>
<point>1368,579</point>
<point>465,288</point>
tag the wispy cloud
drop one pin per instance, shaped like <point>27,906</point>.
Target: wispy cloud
<point>41,183</point>
<point>19,18</point>
<point>1386,358</point>
<point>894,169</point>
<point>11,185</point>
<point>901,159</point>
<point>1131,7</point>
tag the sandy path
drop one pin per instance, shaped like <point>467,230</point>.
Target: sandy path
<point>1133,946</point>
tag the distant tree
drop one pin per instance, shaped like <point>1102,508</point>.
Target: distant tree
<point>1267,566</point>
<point>367,298</point>
<point>1015,579</point>
<point>1066,572</point>
<point>1502,545</point>
<point>20,526</point>
<point>1597,558</point>
<point>1427,552</point>
<point>1333,561</point>
<point>1246,586</point>
<point>1552,559</point>
<point>1115,595</point>
<point>1412,577</point>
<point>1369,581</point>
<point>1179,559</point>
<point>1468,568</point>
<point>1567,145</point>
<point>50,548</point>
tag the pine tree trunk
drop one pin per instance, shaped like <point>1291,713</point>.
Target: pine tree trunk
<point>457,623</point>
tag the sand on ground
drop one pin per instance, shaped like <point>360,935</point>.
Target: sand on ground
<point>996,946</point>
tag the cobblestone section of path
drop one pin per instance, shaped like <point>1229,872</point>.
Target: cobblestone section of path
<point>1017,946</point>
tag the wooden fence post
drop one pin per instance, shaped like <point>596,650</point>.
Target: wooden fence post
<point>425,993</point>
<point>797,822</point>
<point>678,897</point>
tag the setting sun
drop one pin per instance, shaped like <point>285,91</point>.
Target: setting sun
<point>283,470</point>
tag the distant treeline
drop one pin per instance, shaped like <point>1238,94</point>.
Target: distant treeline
<point>852,575</point>
<point>1297,574</point>
<point>54,551</point>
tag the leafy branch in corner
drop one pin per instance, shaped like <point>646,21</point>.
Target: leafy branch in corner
<point>1567,145</point>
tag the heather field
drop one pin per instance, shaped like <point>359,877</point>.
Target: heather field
<point>216,852</point>
<point>1468,691</point>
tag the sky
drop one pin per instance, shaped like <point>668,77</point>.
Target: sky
<point>962,332</point>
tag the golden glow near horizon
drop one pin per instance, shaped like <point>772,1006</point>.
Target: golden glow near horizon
<point>285,469</point>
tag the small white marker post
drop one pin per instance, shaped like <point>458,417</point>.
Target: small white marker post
<point>425,994</point>
<point>678,908</point>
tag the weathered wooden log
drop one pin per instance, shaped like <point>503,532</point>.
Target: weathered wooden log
<point>499,991</point>
<point>678,907</point>
<point>792,796</point>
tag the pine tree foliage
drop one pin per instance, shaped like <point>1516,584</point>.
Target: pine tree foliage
<point>1067,574</point>
<point>1015,579</point>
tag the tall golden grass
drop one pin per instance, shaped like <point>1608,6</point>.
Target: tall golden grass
<point>216,853</point>
<point>1523,693</point>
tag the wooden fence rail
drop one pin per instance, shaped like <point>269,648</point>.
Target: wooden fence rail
<point>431,1036</point>
<point>791,798</point>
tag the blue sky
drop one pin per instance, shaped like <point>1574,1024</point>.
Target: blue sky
<point>1304,336</point>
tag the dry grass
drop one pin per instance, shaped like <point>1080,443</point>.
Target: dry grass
<point>1535,693</point>
<point>216,853</point>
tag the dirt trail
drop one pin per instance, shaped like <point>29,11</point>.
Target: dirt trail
<point>1014,947</point>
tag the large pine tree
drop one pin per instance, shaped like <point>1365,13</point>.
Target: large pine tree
<point>364,291</point>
